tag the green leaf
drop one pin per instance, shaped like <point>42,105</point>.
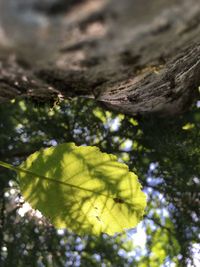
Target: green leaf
<point>82,189</point>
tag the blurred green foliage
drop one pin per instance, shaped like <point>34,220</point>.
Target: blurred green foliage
<point>163,152</point>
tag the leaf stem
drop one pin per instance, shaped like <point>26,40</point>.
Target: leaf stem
<point>8,166</point>
<point>17,169</point>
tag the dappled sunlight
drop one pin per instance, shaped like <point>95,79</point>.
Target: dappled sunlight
<point>94,193</point>
<point>163,154</point>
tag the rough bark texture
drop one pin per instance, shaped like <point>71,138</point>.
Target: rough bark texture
<point>134,56</point>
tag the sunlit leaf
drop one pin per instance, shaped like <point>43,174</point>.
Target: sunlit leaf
<point>82,189</point>
<point>99,114</point>
<point>134,122</point>
<point>188,126</point>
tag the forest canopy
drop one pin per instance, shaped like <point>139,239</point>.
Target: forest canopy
<point>163,152</point>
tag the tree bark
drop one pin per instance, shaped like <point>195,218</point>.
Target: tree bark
<point>136,57</point>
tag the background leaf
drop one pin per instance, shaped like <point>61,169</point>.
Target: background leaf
<point>82,189</point>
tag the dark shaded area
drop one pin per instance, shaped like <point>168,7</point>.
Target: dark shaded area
<point>55,7</point>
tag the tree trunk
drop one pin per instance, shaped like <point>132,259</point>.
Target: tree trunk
<point>137,57</point>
